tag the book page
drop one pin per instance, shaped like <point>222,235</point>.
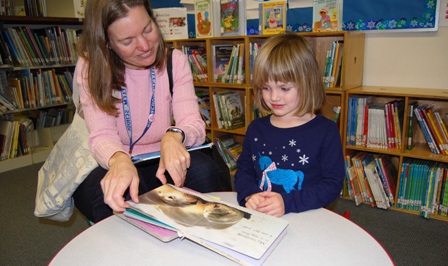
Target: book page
<point>248,232</point>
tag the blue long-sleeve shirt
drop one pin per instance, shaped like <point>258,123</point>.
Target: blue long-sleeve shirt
<point>305,164</point>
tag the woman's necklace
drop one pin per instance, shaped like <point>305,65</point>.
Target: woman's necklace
<point>127,111</point>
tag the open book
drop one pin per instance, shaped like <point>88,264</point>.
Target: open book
<point>140,158</point>
<point>240,234</point>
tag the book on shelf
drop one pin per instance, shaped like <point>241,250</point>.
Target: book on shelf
<point>353,184</point>
<point>388,176</point>
<point>440,123</point>
<point>327,15</point>
<point>221,58</point>
<point>204,106</point>
<point>233,17</point>
<point>231,108</point>
<point>253,52</point>
<point>272,17</point>
<point>411,126</point>
<point>197,58</point>
<point>337,113</point>
<point>206,18</point>
<point>357,161</point>
<point>5,52</point>
<point>418,112</point>
<point>233,71</point>
<point>436,130</point>
<point>224,143</point>
<point>333,63</point>
<point>145,157</point>
<point>7,131</point>
<point>217,108</point>
<point>172,22</point>
<point>422,186</point>
<point>443,196</point>
<point>242,235</point>
<point>376,129</point>
<point>376,186</point>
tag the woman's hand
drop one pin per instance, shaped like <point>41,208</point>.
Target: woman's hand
<point>174,158</point>
<point>122,175</point>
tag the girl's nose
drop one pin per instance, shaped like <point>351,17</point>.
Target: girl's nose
<point>274,95</point>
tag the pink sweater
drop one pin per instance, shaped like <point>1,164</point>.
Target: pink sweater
<point>108,134</point>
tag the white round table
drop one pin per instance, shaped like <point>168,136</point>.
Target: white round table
<point>316,237</point>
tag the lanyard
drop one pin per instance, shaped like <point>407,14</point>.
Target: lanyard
<point>127,111</point>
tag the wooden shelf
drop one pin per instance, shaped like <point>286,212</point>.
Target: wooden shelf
<point>39,20</point>
<point>353,63</point>
<point>420,149</point>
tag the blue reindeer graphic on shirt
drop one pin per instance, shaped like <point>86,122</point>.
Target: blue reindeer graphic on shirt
<point>284,177</point>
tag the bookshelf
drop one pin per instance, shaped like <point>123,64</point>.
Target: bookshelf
<point>402,156</point>
<point>39,69</point>
<point>352,72</point>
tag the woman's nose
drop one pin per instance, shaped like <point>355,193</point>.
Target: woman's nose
<point>142,43</point>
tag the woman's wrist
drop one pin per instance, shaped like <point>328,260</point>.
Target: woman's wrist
<point>118,156</point>
<point>177,131</point>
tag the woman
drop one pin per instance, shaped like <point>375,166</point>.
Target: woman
<point>128,109</point>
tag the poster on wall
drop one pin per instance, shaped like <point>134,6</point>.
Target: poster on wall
<point>386,15</point>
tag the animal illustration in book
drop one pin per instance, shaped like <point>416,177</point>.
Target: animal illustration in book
<point>325,20</point>
<point>284,177</point>
<point>326,15</point>
<point>273,18</point>
<point>229,16</point>
<point>189,210</point>
<point>203,22</point>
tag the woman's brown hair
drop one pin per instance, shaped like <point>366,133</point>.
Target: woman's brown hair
<point>106,70</point>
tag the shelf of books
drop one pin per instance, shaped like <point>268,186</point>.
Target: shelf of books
<point>222,72</point>
<point>37,59</point>
<point>396,149</point>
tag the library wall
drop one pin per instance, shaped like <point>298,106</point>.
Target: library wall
<point>399,59</point>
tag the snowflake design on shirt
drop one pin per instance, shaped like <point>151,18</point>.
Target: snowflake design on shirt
<point>292,143</point>
<point>303,159</point>
<point>284,158</point>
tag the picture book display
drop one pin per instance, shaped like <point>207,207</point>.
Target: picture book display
<point>172,22</point>
<point>233,17</point>
<point>327,15</point>
<point>272,17</point>
<point>207,18</point>
<point>237,233</point>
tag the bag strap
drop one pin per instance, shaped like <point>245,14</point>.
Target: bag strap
<point>169,68</point>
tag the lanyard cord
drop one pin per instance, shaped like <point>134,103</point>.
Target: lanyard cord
<point>127,111</point>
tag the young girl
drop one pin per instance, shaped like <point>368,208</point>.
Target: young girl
<point>292,160</point>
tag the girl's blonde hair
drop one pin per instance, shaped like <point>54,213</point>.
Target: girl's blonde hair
<point>106,69</point>
<point>289,58</point>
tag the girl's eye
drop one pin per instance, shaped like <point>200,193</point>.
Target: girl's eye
<point>265,88</point>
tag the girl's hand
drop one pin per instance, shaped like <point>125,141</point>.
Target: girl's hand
<point>272,204</point>
<point>253,201</point>
<point>174,158</point>
<point>122,175</point>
